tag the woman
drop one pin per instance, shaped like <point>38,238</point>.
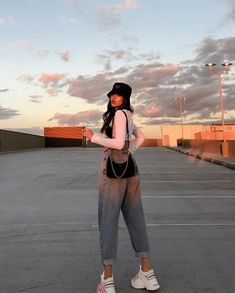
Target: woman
<point>120,194</point>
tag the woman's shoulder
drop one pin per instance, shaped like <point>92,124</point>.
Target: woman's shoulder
<point>118,112</point>
<point>123,114</point>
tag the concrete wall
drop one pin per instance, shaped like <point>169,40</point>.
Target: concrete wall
<point>13,141</point>
<point>210,146</point>
<point>203,146</point>
<point>63,142</point>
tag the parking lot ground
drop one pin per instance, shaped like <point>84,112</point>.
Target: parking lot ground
<point>49,240</point>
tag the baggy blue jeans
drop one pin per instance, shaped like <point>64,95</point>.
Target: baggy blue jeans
<point>115,195</point>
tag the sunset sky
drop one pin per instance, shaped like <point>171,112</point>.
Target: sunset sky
<point>59,58</point>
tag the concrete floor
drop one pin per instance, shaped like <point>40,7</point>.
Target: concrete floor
<point>48,223</point>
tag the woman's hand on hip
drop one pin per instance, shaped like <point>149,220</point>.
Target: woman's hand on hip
<point>87,133</point>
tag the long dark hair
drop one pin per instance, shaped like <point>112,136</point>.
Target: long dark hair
<point>109,115</point>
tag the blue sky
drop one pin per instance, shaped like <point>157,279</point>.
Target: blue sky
<point>59,58</point>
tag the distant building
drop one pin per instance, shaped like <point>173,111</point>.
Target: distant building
<point>170,133</point>
<point>68,136</point>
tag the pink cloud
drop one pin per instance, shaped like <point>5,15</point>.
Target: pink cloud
<point>85,117</point>
<point>51,82</point>
<point>53,78</point>
<point>127,4</point>
<point>170,68</point>
<point>53,91</point>
<point>151,111</point>
<point>143,78</point>
<point>146,76</point>
<point>92,89</point>
<point>148,111</point>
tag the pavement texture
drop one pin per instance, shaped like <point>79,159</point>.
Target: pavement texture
<point>49,240</point>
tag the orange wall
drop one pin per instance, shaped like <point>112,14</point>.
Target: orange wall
<point>148,142</point>
<point>215,135</point>
<point>171,132</point>
<point>64,132</point>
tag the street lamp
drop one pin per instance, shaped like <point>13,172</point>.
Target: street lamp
<point>226,66</point>
<point>181,101</point>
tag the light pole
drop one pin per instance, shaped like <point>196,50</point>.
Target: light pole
<point>219,72</point>
<point>181,101</point>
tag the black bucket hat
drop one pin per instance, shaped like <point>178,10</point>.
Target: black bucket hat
<point>121,89</point>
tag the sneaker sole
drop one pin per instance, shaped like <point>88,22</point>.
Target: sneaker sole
<point>156,288</point>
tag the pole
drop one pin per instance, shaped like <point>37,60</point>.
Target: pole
<point>84,141</point>
<point>180,101</point>
<point>225,150</point>
<point>181,116</point>
<point>221,103</point>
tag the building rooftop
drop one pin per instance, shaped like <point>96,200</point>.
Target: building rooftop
<point>49,232</point>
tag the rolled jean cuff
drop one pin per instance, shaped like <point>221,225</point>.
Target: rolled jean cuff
<point>142,254</point>
<point>109,261</point>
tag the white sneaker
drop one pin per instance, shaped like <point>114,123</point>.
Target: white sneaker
<point>106,285</point>
<point>145,280</point>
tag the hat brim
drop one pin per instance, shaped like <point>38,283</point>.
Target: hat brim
<point>110,93</point>
<point>113,92</point>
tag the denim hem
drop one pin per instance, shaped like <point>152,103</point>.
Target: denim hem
<point>142,254</point>
<point>109,261</point>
